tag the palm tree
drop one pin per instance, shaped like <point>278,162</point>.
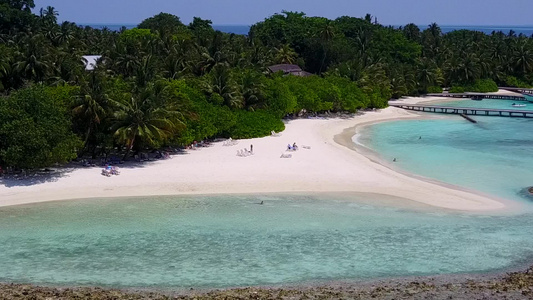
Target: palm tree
<point>145,71</point>
<point>221,83</point>
<point>65,34</point>
<point>124,61</point>
<point>435,30</point>
<point>285,55</point>
<point>31,62</point>
<point>463,69</point>
<point>427,74</point>
<point>327,33</point>
<point>251,88</point>
<point>49,15</point>
<point>145,119</point>
<point>522,56</point>
<point>412,32</point>
<point>91,105</point>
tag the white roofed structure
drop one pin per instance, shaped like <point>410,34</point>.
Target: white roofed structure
<point>91,61</point>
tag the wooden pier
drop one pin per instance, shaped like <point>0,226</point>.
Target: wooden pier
<point>518,90</point>
<point>468,118</point>
<point>477,96</point>
<point>466,110</point>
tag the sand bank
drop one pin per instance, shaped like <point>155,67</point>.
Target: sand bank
<point>326,167</point>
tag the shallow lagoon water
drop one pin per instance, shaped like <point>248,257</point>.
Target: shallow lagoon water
<point>494,156</point>
<point>224,241</point>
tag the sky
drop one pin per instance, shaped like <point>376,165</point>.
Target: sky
<point>246,12</point>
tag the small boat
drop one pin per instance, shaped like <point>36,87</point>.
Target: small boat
<point>518,105</point>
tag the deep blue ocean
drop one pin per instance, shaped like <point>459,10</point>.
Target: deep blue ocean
<point>243,29</point>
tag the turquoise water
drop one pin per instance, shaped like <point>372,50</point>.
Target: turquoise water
<point>231,241</point>
<point>226,241</point>
<point>488,103</point>
<point>494,156</point>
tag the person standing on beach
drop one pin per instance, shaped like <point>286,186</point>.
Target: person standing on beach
<point>252,148</point>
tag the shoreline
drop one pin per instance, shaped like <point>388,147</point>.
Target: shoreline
<point>514,283</point>
<point>327,167</point>
<point>345,139</point>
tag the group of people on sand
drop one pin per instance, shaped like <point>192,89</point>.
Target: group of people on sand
<point>291,148</point>
<point>244,152</point>
<point>109,170</point>
<point>294,147</point>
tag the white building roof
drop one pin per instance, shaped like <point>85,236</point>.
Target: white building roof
<point>90,61</point>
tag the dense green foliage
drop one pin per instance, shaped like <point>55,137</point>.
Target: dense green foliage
<point>480,86</point>
<point>167,83</point>
<point>253,124</point>
<point>35,129</point>
<point>434,89</point>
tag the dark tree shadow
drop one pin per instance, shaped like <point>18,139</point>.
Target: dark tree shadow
<point>35,177</point>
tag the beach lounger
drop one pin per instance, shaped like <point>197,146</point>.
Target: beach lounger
<point>275,134</point>
<point>230,142</point>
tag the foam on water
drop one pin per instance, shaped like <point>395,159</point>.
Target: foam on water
<point>231,240</point>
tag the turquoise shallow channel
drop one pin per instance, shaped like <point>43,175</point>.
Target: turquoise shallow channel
<point>489,103</point>
<point>494,156</point>
<point>225,241</point>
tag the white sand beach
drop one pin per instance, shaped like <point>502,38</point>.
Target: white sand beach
<point>326,167</point>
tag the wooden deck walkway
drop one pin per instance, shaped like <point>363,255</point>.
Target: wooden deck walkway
<point>518,90</point>
<point>466,110</point>
<point>479,96</point>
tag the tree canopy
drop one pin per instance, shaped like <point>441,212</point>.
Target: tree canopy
<point>168,84</point>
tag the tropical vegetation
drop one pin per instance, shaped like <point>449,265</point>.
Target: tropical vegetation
<point>166,83</point>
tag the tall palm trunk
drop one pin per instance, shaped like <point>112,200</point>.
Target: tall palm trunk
<point>86,141</point>
<point>130,146</point>
<point>323,59</point>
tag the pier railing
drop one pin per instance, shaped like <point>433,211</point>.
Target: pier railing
<point>466,110</point>
<point>477,96</point>
<point>518,90</point>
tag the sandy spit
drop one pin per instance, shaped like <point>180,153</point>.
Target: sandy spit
<point>326,167</point>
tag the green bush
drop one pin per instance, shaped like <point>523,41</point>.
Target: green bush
<point>483,86</point>
<point>480,86</point>
<point>36,130</point>
<point>457,89</point>
<point>255,124</point>
<point>434,90</point>
<point>290,94</point>
<point>512,81</point>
